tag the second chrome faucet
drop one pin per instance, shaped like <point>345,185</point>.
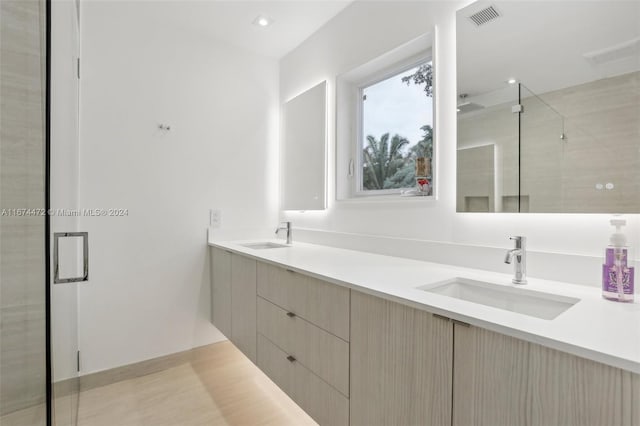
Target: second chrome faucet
<point>287,227</point>
<point>518,256</point>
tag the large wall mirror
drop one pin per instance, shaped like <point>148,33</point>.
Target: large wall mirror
<point>304,150</point>
<point>548,107</point>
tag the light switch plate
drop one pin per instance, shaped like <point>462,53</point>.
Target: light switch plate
<point>215,218</point>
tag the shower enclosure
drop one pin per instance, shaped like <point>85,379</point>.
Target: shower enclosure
<point>511,153</point>
<point>564,137</point>
<point>24,299</point>
<point>38,319</point>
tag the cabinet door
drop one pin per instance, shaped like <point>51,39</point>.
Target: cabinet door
<point>631,396</point>
<point>572,391</point>
<point>501,380</point>
<point>221,290</point>
<point>489,378</point>
<point>243,305</point>
<point>401,360</point>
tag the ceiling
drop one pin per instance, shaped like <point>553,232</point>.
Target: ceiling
<point>231,21</point>
<point>543,44</point>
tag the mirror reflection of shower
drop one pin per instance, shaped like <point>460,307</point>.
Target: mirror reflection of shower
<point>465,105</point>
<point>560,106</point>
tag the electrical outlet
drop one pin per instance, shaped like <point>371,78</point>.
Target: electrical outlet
<point>215,218</point>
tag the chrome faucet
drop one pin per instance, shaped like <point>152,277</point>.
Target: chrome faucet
<point>520,255</point>
<point>287,227</point>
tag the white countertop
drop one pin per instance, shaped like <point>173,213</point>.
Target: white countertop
<point>593,328</point>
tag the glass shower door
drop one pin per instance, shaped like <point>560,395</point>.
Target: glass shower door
<point>68,249</point>
<point>23,294</point>
<point>38,319</point>
<point>542,150</point>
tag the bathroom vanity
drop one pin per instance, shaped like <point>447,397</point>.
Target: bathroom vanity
<point>359,339</point>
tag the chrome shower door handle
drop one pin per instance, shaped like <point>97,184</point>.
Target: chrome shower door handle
<point>84,274</point>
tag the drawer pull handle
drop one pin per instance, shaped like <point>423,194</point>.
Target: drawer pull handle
<point>442,317</point>
<point>291,314</point>
<point>290,270</point>
<point>464,324</point>
<point>291,358</point>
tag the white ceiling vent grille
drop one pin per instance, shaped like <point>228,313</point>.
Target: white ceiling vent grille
<point>485,15</point>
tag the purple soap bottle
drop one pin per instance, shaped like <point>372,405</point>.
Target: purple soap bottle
<point>617,274</point>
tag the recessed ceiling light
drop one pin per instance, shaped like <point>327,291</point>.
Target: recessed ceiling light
<point>262,21</point>
<point>512,81</point>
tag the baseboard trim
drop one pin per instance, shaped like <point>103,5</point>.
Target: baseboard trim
<point>66,387</point>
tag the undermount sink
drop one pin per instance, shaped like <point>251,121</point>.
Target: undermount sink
<point>263,245</point>
<point>523,301</point>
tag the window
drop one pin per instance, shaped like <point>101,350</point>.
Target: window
<point>384,125</point>
<point>396,128</point>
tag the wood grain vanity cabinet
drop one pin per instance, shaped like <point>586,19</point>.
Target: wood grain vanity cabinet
<point>489,378</point>
<point>409,367</point>
<point>320,351</point>
<point>401,360</point>
<point>221,290</point>
<point>349,358</point>
<point>303,341</point>
<point>233,299</point>
<point>319,302</point>
<point>501,380</point>
<point>243,305</point>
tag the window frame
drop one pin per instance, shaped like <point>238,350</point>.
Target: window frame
<point>346,115</point>
<point>395,69</point>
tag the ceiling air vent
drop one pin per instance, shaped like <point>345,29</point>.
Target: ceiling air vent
<point>485,15</point>
<point>628,49</point>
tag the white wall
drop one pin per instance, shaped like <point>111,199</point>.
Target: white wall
<point>365,30</point>
<point>148,293</point>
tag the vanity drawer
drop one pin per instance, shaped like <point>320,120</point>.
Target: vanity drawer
<point>323,403</point>
<point>323,304</point>
<point>318,350</point>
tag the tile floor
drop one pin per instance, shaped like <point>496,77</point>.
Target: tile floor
<point>221,387</point>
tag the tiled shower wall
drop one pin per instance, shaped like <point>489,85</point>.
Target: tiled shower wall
<point>599,122</point>
<point>22,147</point>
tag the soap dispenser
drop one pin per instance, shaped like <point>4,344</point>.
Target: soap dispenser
<point>617,274</point>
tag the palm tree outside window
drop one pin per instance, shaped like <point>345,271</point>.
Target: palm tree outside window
<point>396,128</point>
